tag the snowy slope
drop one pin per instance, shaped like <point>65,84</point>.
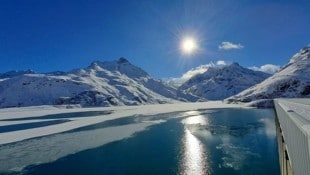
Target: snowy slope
<point>221,82</point>
<point>100,84</point>
<point>293,80</point>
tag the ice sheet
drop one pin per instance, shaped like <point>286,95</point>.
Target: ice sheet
<point>118,112</point>
<point>15,157</point>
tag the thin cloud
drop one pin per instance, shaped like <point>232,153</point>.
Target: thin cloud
<point>267,68</point>
<point>201,69</point>
<point>221,63</point>
<point>226,45</point>
<point>194,71</point>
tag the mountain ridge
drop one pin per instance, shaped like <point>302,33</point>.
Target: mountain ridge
<point>118,82</point>
<point>291,81</point>
<point>102,83</point>
<point>218,83</point>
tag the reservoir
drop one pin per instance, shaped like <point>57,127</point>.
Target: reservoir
<point>202,142</point>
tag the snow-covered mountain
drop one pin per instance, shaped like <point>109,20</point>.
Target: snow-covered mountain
<point>218,83</point>
<point>15,73</point>
<point>292,80</point>
<point>100,84</point>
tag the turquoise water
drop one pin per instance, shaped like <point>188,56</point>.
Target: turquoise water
<point>226,141</point>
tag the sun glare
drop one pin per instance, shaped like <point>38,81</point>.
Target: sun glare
<point>188,45</point>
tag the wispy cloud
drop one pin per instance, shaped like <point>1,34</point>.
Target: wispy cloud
<point>201,69</point>
<point>226,45</point>
<point>221,63</point>
<point>194,71</point>
<point>267,68</point>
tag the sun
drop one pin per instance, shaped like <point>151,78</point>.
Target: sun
<point>189,45</point>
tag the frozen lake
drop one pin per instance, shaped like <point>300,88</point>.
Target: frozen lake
<point>200,141</point>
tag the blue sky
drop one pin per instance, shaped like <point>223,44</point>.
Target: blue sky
<point>53,35</point>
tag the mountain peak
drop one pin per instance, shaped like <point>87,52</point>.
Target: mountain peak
<point>109,64</point>
<point>95,63</point>
<point>121,65</point>
<point>234,64</point>
<point>303,54</point>
<point>221,82</point>
<point>122,60</point>
<point>305,50</point>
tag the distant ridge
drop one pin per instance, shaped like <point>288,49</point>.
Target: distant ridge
<point>292,81</point>
<point>218,83</point>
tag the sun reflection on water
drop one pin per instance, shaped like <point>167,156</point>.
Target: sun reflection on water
<point>194,157</point>
<point>196,120</point>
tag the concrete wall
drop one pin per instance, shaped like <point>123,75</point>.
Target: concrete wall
<point>293,136</point>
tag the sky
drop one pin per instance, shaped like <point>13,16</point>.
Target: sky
<point>52,35</point>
